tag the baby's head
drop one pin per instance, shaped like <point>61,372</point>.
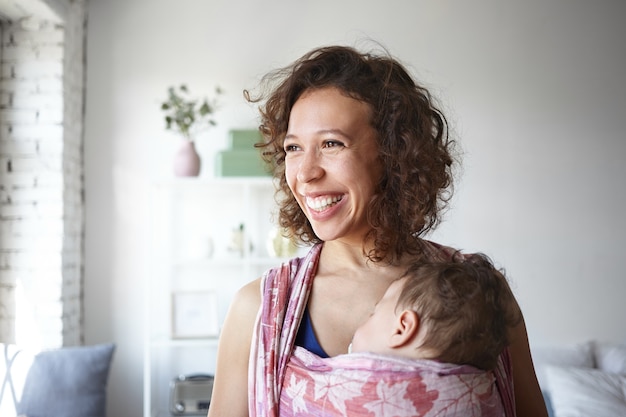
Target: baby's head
<point>457,312</point>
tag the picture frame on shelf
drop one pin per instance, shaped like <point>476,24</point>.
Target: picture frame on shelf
<point>194,315</point>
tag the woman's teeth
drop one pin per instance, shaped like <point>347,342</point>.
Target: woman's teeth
<point>322,203</point>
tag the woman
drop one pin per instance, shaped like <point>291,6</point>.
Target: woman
<point>364,159</point>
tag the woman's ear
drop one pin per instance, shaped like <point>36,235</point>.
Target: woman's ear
<point>406,328</point>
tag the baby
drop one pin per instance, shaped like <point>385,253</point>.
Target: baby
<point>454,312</point>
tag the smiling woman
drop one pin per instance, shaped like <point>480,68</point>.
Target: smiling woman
<point>364,161</point>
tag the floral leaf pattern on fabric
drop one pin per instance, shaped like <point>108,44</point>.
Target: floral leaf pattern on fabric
<point>296,390</point>
<point>336,389</point>
<point>391,400</point>
<point>470,396</point>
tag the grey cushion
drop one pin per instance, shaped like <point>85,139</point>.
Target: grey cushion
<point>68,382</point>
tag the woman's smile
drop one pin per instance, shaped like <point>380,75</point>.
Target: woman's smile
<point>319,204</point>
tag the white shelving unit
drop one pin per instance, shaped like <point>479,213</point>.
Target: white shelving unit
<point>193,250</point>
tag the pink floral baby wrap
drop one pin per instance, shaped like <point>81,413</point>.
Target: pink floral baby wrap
<point>288,381</point>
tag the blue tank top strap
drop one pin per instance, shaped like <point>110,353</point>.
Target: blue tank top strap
<point>306,337</point>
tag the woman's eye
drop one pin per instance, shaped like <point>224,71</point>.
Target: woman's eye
<point>333,144</point>
<point>291,148</point>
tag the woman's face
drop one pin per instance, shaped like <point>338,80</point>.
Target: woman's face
<point>331,163</point>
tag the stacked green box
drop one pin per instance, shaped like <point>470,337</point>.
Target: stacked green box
<point>242,159</point>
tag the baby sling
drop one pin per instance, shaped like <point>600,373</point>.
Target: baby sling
<point>288,381</point>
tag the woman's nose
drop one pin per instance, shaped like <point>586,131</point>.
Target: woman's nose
<point>310,168</point>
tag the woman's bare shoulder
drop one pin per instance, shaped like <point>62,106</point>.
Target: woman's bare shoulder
<point>243,311</point>
<point>231,374</point>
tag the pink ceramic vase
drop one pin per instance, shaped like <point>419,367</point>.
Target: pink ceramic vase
<point>187,160</point>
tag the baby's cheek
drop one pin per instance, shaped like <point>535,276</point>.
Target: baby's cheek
<point>356,345</point>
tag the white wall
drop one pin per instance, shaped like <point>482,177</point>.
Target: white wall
<point>534,91</point>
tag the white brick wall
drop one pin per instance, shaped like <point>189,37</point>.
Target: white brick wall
<point>41,179</point>
<point>73,197</point>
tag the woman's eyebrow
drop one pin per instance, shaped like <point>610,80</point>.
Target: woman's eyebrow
<point>338,132</point>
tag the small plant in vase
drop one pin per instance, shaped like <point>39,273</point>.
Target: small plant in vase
<point>188,116</point>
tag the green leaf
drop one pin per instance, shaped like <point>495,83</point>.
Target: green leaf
<point>183,113</point>
<point>204,109</point>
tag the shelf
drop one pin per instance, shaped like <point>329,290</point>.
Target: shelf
<point>205,342</point>
<point>228,262</point>
<point>194,226</point>
<point>202,182</point>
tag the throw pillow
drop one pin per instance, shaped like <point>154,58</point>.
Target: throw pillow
<point>611,357</point>
<point>579,392</point>
<point>68,382</point>
<point>578,355</point>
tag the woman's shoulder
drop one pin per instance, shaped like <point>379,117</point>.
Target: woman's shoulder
<point>248,299</point>
<point>437,252</point>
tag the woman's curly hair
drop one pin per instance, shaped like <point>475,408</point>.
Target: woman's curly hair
<point>413,143</point>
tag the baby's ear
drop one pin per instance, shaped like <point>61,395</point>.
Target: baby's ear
<point>407,326</point>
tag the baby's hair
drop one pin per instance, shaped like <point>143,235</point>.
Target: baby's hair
<point>467,307</point>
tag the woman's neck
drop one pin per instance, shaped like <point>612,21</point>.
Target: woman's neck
<point>337,256</point>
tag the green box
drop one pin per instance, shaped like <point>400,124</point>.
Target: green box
<point>244,138</point>
<point>241,163</point>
